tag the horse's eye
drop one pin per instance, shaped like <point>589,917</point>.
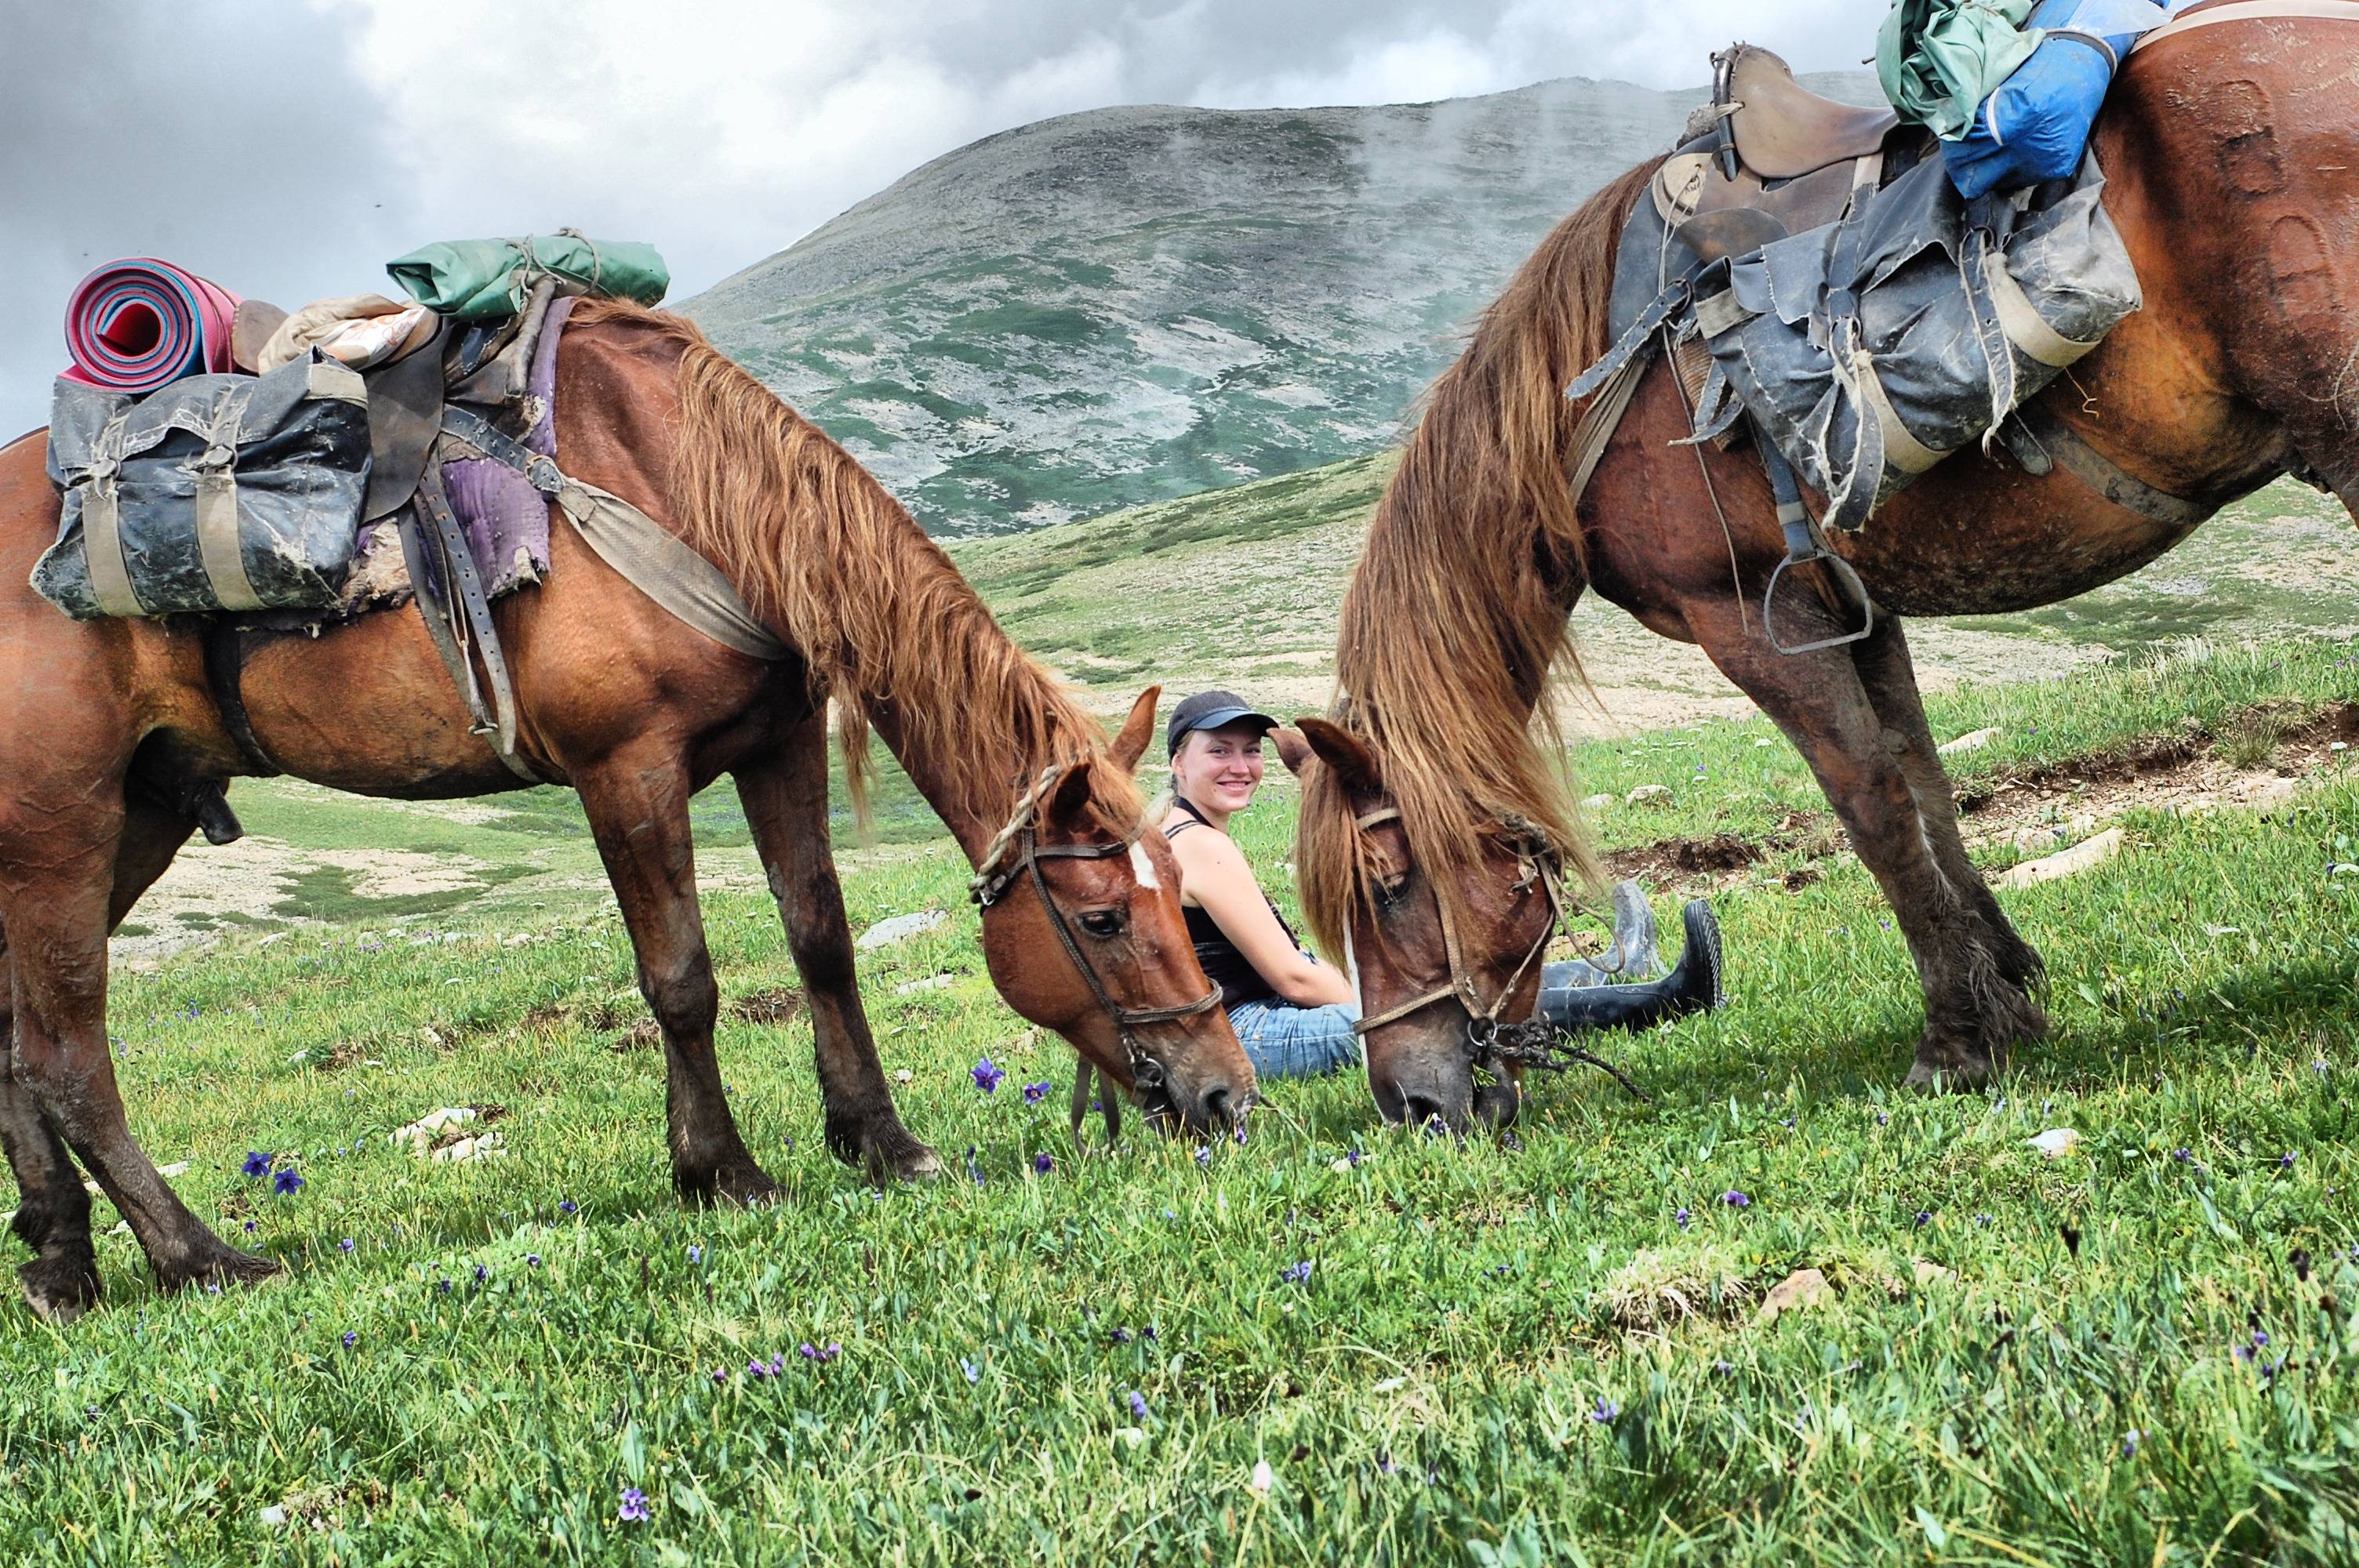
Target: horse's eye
<point>1103,921</point>
<point>1389,891</point>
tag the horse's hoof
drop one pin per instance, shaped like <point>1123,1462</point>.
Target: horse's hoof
<point>1951,1075</point>
<point>740,1184</point>
<point>60,1289</point>
<point>904,1158</point>
<point>220,1265</point>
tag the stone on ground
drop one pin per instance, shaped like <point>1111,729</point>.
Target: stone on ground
<point>900,928</point>
<point>1803,1288</point>
<point>2070,863</point>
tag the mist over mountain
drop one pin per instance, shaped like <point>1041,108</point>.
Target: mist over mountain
<point>1136,304</point>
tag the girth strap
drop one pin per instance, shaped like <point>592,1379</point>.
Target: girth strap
<point>2103,475</point>
<point>224,649</point>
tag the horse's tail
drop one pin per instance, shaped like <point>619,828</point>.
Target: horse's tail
<point>1454,627</point>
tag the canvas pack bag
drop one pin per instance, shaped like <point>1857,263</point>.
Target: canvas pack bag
<point>215,493</point>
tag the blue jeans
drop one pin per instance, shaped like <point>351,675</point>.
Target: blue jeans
<point>1283,1040</point>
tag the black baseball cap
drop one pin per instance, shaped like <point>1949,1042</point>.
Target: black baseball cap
<point>1210,710</point>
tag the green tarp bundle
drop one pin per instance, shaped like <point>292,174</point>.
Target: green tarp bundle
<point>479,279</point>
<point>1940,58</point>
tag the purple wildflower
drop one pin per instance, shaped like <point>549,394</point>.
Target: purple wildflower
<point>1204,1155</point>
<point>249,1227</point>
<point>258,1163</point>
<point>568,1207</point>
<point>2284,1161</point>
<point>351,1338</point>
<point>482,1273</point>
<point>1120,1337</point>
<point>1298,1274</point>
<point>1042,1163</point>
<point>1035,1093</point>
<point>755,1369</point>
<point>634,1507</point>
<point>1882,1118</point>
<point>986,1076</point>
<point>1137,1405</point>
<point>2130,1440</point>
<point>695,1253</point>
<point>2182,1155</point>
<point>1924,1217</point>
<point>1240,1132</point>
<point>720,1374</point>
<point>1353,1157</point>
<point>287,1184</point>
<point>810,1352</point>
<point>532,1259</point>
<point>974,1373</point>
<point>1735,1198</point>
<point>1606,1412</point>
<point>345,1245</point>
<point>1682,1216</point>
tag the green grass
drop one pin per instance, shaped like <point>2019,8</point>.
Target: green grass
<point>1428,1396</point>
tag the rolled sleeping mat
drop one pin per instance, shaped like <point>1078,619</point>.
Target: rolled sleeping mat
<point>133,325</point>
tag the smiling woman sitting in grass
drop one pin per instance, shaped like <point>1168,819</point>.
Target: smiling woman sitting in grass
<point>1294,1014</point>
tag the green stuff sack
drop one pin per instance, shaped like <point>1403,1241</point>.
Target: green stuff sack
<point>477,280</point>
<point>1938,59</point>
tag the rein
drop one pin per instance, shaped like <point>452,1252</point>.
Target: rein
<point>998,873</point>
<point>1489,1043</point>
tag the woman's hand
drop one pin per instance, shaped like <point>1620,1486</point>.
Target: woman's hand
<point>1213,874</point>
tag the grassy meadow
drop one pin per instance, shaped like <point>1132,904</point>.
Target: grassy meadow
<point>1549,1349</point>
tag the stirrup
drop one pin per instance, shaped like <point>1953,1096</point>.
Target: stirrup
<point>1803,547</point>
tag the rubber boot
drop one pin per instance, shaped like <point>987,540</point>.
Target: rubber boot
<point>1692,987</point>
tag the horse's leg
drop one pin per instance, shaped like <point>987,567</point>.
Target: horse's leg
<point>1889,676</point>
<point>1972,1016</point>
<point>786,803</point>
<point>52,1210</point>
<point>637,805</point>
<point>93,860</point>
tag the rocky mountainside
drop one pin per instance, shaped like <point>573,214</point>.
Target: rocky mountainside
<point>1136,304</point>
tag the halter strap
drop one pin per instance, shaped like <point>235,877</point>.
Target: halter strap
<point>990,885</point>
<point>1461,982</point>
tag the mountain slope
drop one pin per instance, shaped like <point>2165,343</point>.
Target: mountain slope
<point>1136,304</point>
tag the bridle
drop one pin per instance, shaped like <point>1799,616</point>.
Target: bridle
<point>996,872</point>
<point>1489,1043</point>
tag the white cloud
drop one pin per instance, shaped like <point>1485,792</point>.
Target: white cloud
<point>721,130</point>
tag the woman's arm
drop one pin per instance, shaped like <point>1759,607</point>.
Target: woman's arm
<point>1214,875</point>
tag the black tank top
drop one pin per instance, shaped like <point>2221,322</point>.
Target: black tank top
<point>1224,965</point>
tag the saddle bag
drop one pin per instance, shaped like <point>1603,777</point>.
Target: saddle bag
<point>1870,348</point>
<point>217,493</point>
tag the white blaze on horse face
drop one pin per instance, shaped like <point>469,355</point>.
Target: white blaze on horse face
<point>1143,866</point>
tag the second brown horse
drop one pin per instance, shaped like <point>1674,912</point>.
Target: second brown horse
<point>2232,156</point>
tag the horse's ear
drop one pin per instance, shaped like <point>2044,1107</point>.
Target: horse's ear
<point>1344,752</point>
<point>1069,801</point>
<point>1292,749</point>
<point>1131,743</point>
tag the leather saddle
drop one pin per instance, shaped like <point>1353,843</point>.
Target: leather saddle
<point>1767,158</point>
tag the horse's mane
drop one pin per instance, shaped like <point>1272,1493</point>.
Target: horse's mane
<point>1453,627</point>
<point>827,559</point>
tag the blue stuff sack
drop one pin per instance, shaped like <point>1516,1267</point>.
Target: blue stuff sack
<point>2034,127</point>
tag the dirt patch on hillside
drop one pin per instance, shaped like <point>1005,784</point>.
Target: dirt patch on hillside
<point>2043,807</point>
<point>2258,761</point>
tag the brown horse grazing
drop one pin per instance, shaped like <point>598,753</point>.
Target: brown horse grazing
<point>2230,152</point>
<point>636,712</point>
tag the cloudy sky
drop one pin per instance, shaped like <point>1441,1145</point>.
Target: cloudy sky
<point>287,148</point>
